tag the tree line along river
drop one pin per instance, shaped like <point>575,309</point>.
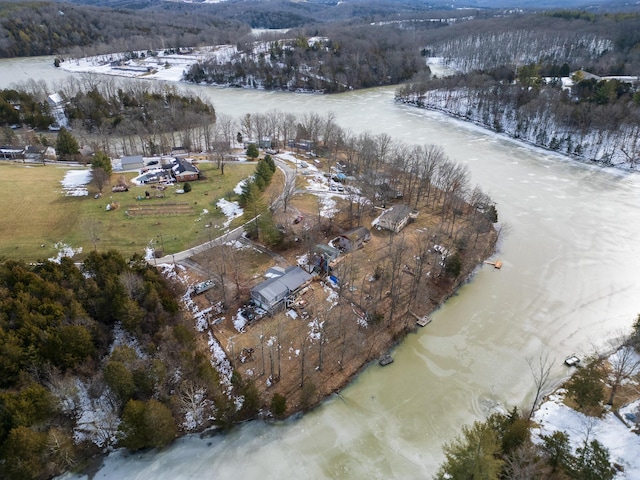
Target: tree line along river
<point>569,282</point>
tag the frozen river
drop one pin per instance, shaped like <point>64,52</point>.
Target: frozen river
<point>569,281</point>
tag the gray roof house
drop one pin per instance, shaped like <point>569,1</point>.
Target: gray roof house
<point>273,291</point>
<point>184,171</point>
<point>395,218</point>
<point>352,239</point>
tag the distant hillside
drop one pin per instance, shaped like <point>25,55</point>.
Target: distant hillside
<point>103,26</point>
<point>47,28</point>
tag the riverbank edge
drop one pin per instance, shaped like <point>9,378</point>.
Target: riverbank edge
<point>466,119</point>
<point>470,269</point>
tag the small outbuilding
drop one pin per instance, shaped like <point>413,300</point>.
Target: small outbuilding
<point>132,162</point>
<point>271,293</point>
<point>322,256</point>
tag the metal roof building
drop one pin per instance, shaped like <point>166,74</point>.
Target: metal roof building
<point>270,293</point>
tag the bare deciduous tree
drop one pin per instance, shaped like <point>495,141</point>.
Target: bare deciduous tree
<point>624,363</point>
<point>540,371</point>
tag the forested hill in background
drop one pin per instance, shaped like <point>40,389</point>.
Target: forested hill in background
<point>47,28</point>
<point>528,88</point>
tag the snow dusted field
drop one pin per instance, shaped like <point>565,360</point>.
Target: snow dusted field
<point>622,443</point>
<point>75,182</point>
<point>164,66</point>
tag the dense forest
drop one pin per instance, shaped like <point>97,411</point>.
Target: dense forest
<point>47,28</point>
<point>349,59</point>
<point>94,356</point>
<point>594,119</point>
<point>32,111</point>
<point>157,116</point>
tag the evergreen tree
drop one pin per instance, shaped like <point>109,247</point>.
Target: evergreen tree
<point>253,207</point>
<point>592,463</point>
<point>66,144</point>
<point>474,456</point>
<point>252,151</point>
<point>586,386</point>
<point>557,450</point>
<point>278,405</point>
<point>145,425</point>
<point>23,456</point>
<point>263,174</point>
<point>269,161</point>
<point>101,160</point>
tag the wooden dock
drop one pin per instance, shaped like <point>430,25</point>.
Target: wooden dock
<point>497,264</point>
<point>422,321</point>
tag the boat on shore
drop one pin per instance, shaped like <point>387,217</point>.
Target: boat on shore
<point>385,360</point>
<point>572,360</point>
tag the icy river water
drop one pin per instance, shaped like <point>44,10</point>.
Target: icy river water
<point>570,281</point>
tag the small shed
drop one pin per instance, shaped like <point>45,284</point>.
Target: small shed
<point>273,291</point>
<point>394,219</point>
<point>132,162</point>
<point>352,239</point>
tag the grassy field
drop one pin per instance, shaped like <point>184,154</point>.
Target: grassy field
<point>36,214</point>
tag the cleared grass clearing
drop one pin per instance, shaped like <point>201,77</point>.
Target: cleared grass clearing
<point>36,212</point>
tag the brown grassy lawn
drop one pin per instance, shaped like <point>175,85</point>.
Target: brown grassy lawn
<point>35,212</point>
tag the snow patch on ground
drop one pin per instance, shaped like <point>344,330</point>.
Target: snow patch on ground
<point>230,209</point>
<point>74,183</point>
<point>239,321</point>
<point>328,206</point>
<point>332,295</point>
<point>622,443</point>
<point>64,250</point>
<point>97,421</point>
<point>122,338</point>
<point>238,188</point>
